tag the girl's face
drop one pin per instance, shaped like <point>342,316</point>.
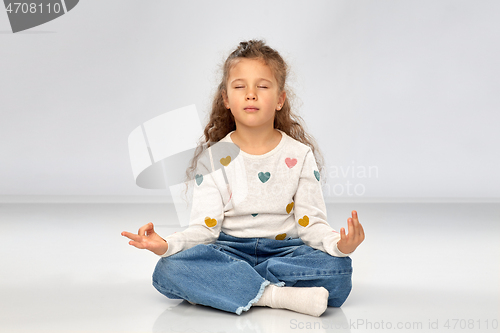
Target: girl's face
<point>253,94</point>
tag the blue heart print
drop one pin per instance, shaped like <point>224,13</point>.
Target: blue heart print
<point>264,177</point>
<point>199,179</point>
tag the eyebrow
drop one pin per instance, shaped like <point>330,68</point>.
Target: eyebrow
<point>259,79</point>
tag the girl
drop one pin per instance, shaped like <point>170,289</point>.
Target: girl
<point>258,234</point>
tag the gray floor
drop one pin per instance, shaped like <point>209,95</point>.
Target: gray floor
<point>423,267</point>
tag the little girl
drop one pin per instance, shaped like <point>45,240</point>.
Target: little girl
<point>258,233</point>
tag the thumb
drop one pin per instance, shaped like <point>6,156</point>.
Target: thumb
<point>342,235</point>
<point>150,230</point>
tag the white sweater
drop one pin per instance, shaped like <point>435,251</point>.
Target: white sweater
<point>276,195</point>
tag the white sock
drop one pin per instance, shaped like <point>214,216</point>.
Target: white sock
<point>308,300</point>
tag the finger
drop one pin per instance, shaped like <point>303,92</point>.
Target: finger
<point>355,221</point>
<point>142,230</point>
<point>355,218</point>
<point>137,244</point>
<point>126,234</point>
<point>350,226</point>
<point>361,232</point>
<point>342,235</point>
<point>352,230</point>
<point>133,237</point>
<point>150,230</point>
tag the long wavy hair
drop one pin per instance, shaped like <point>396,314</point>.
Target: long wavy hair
<point>221,121</point>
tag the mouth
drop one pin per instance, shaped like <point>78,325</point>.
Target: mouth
<point>251,109</point>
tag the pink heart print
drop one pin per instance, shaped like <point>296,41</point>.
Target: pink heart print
<point>290,162</point>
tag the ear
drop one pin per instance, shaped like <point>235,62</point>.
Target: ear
<point>281,98</point>
<point>224,97</point>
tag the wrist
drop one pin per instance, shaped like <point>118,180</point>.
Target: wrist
<point>343,249</point>
<point>162,249</point>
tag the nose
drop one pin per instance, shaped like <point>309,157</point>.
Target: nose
<point>251,95</point>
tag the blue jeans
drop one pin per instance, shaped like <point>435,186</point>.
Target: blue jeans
<point>231,273</point>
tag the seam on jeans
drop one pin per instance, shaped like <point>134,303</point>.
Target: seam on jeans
<point>332,273</point>
<point>224,251</point>
<point>259,295</point>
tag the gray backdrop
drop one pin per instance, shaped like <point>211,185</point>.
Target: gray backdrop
<point>407,91</point>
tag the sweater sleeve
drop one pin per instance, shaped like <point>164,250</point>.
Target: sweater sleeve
<point>310,211</point>
<point>207,213</point>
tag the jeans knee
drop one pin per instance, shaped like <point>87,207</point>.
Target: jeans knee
<point>343,265</point>
<point>338,301</point>
<point>160,268</point>
<point>340,291</point>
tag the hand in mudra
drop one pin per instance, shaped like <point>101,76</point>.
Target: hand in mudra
<point>348,243</point>
<point>147,239</point>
